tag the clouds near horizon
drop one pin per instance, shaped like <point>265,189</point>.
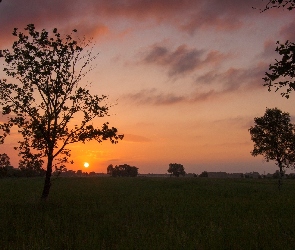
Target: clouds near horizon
<point>183,74</point>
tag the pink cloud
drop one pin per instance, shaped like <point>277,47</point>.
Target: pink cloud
<point>153,97</point>
<point>288,31</point>
<point>269,50</point>
<point>187,16</point>
<point>233,80</point>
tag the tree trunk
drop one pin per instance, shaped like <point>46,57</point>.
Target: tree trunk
<point>281,175</point>
<point>47,183</point>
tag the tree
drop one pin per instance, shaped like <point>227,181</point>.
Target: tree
<point>288,4</point>
<point>122,171</point>
<point>274,138</point>
<point>176,169</point>
<point>110,169</point>
<point>47,101</point>
<point>282,72</point>
<point>4,164</point>
<point>204,174</point>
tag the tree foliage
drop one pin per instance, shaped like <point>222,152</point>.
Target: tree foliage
<point>288,4</point>
<point>122,171</point>
<point>274,138</point>
<point>46,99</point>
<point>282,73</point>
<point>176,169</point>
<point>204,174</point>
<point>4,164</point>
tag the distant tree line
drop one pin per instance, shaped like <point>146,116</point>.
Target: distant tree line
<point>176,169</point>
<point>25,169</point>
<point>124,170</point>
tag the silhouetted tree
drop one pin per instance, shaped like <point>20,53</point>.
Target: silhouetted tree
<point>276,175</point>
<point>204,174</point>
<point>288,4</point>
<point>122,171</point>
<point>31,165</point>
<point>46,101</point>
<point>274,138</point>
<point>110,169</point>
<point>4,164</point>
<point>176,169</point>
<point>282,73</point>
<point>79,172</point>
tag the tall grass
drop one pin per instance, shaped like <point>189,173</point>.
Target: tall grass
<point>147,213</point>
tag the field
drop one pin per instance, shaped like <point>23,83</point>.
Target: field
<point>147,213</point>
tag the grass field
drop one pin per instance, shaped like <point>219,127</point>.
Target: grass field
<point>147,213</point>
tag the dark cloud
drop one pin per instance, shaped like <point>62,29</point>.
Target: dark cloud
<point>153,97</point>
<point>187,16</point>
<point>231,81</point>
<point>234,78</point>
<point>181,60</point>
<point>157,98</point>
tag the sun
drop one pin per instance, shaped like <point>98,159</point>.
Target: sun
<point>86,164</point>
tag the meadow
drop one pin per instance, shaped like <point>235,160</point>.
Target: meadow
<point>147,213</point>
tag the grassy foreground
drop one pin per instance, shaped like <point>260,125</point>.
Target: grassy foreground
<point>147,213</point>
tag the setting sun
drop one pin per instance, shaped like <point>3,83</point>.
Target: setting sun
<point>86,164</point>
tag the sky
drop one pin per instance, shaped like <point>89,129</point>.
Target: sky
<point>183,78</point>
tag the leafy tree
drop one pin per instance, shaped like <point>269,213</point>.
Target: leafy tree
<point>46,100</point>
<point>122,171</point>
<point>79,172</point>
<point>110,169</point>
<point>31,164</point>
<point>4,163</point>
<point>288,4</point>
<point>282,73</point>
<point>176,169</point>
<point>204,174</point>
<point>274,138</point>
<point>276,175</point>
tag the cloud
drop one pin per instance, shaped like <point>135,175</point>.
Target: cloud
<point>187,16</point>
<point>153,97</point>
<point>157,98</point>
<point>268,50</point>
<point>230,81</point>
<point>235,78</point>
<point>239,122</point>
<point>135,138</point>
<point>182,60</point>
<point>288,32</point>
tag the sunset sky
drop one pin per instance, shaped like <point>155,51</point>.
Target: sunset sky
<point>184,78</point>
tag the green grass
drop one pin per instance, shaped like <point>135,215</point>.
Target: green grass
<point>147,213</point>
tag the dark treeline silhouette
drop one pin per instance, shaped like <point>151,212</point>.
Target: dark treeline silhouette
<point>122,171</point>
<point>176,169</point>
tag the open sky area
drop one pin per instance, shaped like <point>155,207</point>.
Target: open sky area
<point>184,78</point>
